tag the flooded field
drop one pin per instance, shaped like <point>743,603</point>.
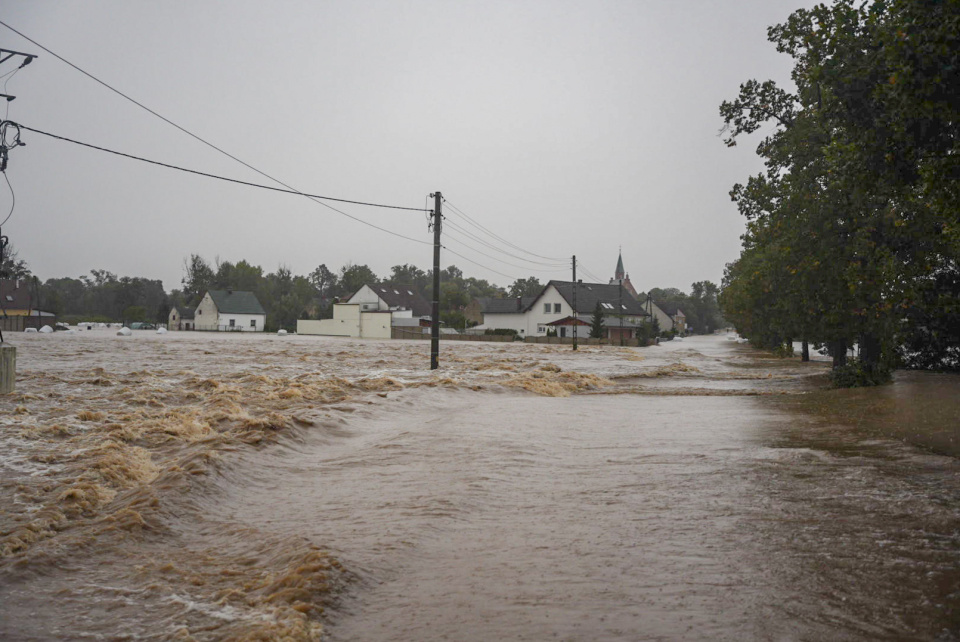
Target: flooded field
<point>206,487</point>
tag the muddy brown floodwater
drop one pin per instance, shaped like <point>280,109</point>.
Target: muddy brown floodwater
<point>223,487</point>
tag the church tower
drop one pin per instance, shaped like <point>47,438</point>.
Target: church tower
<point>622,278</point>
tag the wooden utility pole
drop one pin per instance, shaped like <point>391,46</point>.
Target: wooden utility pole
<point>575,320</point>
<point>435,314</point>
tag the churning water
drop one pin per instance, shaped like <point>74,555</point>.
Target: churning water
<point>206,487</point>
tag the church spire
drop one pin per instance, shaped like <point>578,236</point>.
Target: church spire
<point>619,273</point>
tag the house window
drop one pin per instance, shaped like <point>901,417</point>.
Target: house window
<point>199,311</point>
<point>253,323</point>
<point>233,323</point>
<point>541,329</point>
<point>556,308</point>
<point>546,308</point>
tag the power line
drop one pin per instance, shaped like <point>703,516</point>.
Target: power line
<point>198,138</point>
<point>473,249</point>
<point>312,197</point>
<point>586,271</point>
<point>497,249</point>
<point>220,178</point>
<point>478,264</point>
<point>480,227</point>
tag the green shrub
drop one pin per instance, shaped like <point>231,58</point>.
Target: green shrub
<point>857,374</point>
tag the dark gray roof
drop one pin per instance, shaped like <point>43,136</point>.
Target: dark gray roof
<point>669,307</point>
<point>236,302</point>
<point>402,296</point>
<point>588,294</point>
<point>505,306</point>
<point>185,312</point>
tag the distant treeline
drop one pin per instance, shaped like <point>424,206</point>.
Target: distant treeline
<point>103,296</point>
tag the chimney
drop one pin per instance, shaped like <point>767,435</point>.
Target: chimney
<point>519,304</point>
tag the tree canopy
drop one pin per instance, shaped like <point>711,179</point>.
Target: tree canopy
<point>852,229</point>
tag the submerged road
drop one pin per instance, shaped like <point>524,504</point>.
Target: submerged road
<point>308,488</point>
<point>483,516</point>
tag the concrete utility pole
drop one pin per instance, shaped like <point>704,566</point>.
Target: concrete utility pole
<point>435,314</point>
<point>575,320</point>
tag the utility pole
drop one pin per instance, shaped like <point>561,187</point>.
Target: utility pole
<point>575,319</point>
<point>620,295</point>
<point>435,314</point>
<point>8,353</point>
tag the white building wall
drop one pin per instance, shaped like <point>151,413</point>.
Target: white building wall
<point>367,299</point>
<point>206,317</point>
<point>241,321</point>
<point>516,322</point>
<point>375,325</point>
<point>349,321</point>
<point>549,307</point>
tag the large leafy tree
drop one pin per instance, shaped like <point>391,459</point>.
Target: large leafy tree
<point>855,217</point>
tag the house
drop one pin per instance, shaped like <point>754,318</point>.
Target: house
<point>397,298</point>
<point>19,305</point>
<point>533,316</point>
<point>676,319</point>
<point>181,318</point>
<point>478,310</point>
<point>664,320</point>
<point>230,310</point>
<point>372,313</point>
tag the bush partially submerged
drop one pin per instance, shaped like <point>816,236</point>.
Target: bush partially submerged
<point>858,374</point>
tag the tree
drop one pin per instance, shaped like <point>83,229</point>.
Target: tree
<point>596,322</point>
<point>856,213</point>
<point>525,287</point>
<point>354,277</point>
<point>323,281</point>
<point>11,267</point>
<point>198,277</point>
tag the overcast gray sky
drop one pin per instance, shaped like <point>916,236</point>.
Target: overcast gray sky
<point>564,127</point>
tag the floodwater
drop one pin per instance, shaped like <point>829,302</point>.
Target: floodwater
<point>209,487</point>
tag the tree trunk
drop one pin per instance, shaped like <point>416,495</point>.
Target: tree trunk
<point>805,351</point>
<point>870,352</point>
<point>838,349</point>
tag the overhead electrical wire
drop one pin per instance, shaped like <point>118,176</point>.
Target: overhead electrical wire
<point>473,222</point>
<point>497,249</point>
<point>513,265</point>
<point>289,189</point>
<point>478,264</point>
<point>220,178</point>
<point>205,142</point>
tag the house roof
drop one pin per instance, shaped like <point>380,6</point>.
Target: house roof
<point>671,308</point>
<point>490,305</point>
<point>236,302</point>
<point>15,295</point>
<point>186,313</point>
<point>589,294</point>
<point>402,296</point>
